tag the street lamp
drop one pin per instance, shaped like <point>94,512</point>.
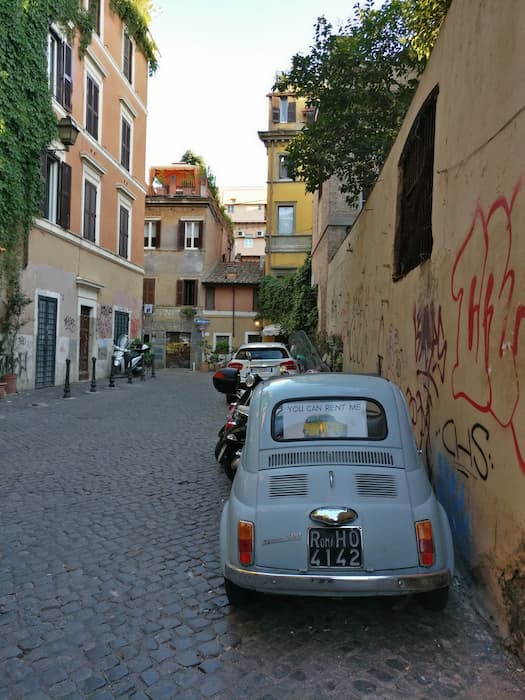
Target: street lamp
<point>67,131</point>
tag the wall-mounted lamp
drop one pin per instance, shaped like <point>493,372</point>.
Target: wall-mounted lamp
<point>257,323</point>
<point>67,131</point>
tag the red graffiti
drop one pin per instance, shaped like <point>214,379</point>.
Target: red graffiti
<point>487,371</point>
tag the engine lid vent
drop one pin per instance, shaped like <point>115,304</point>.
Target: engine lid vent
<point>288,485</point>
<point>376,485</point>
<point>299,458</point>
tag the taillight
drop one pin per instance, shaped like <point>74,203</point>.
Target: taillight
<point>245,537</point>
<point>425,543</point>
<point>288,365</point>
<point>235,365</point>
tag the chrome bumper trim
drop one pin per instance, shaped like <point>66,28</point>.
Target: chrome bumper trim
<point>344,584</point>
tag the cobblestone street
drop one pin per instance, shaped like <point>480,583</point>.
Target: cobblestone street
<point>110,584</point>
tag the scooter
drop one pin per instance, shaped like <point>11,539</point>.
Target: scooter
<point>232,434</point>
<point>126,358</point>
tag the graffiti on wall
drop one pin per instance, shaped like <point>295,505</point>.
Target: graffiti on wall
<point>489,368</point>
<point>394,353</point>
<point>357,330</point>
<point>105,321</point>
<point>430,354</point>
<point>70,325</point>
<point>469,454</point>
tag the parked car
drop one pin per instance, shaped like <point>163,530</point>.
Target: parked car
<point>348,512</point>
<point>265,359</point>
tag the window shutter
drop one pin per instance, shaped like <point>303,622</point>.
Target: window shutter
<point>68,77</point>
<point>291,111</point>
<point>157,234</point>
<point>182,229</point>
<point>64,198</point>
<point>276,110</point>
<point>199,241</point>
<point>178,301</point>
<point>148,291</point>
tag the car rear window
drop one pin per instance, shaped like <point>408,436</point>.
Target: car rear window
<point>263,354</point>
<point>330,418</point>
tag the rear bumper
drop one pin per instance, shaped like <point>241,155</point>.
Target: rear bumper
<point>337,584</point>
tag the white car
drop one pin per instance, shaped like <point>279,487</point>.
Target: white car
<point>331,498</point>
<point>265,359</point>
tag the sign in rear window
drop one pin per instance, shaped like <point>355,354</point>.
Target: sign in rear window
<point>333,418</point>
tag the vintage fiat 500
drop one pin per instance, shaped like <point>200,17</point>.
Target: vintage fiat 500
<point>331,497</point>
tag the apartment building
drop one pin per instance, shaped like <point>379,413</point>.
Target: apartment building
<point>246,207</point>
<point>289,207</point>
<point>185,234</point>
<point>85,254</point>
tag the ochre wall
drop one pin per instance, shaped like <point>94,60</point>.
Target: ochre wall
<point>452,332</point>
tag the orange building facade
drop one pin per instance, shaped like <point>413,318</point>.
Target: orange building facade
<point>85,255</point>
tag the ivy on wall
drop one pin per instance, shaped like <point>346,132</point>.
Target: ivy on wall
<point>136,15</point>
<point>27,120</point>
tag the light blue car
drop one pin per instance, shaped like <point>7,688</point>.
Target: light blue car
<point>333,515</point>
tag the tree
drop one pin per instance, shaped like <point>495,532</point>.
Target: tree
<point>360,80</point>
<point>290,301</point>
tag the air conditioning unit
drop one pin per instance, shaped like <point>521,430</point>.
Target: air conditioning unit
<point>148,308</point>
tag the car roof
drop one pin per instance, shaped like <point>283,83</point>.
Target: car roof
<point>329,384</point>
<point>255,346</point>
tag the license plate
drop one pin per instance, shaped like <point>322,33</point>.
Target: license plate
<point>339,547</point>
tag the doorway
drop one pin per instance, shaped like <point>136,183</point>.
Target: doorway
<point>83,355</point>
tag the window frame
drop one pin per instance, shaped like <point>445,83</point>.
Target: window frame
<point>126,149</point>
<point>191,236</point>
<point>413,241</point>
<point>150,223</point>
<point>93,112</point>
<point>88,176</point>
<point>56,191</point>
<point>127,55</point>
<point>60,69</point>
<point>124,207</point>
<point>281,206</point>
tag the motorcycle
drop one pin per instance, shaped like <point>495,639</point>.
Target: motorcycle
<point>232,435</point>
<point>128,357</point>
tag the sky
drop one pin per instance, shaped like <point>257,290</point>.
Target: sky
<point>218,61</point>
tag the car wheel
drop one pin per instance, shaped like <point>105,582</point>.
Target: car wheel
<point>235,594</point>
<point>434,600</point>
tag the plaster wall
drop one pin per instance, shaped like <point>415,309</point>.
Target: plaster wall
<point>73,275</point>
<point>451,333</point>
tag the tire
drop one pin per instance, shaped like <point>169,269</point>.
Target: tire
<point>237,595</point>
<point>231,398</point>
<point>434,600</point>
<point>229,470</point>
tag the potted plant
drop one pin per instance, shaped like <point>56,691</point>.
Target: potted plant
<point>205,355</point>
<point>10,325</point>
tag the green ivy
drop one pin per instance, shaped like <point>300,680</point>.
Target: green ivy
<point>136,15</point>
<point>290,301</point>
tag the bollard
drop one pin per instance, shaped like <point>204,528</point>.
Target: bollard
<point>93,380</point>
<point>111,376</point>
<point>67,391</point>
